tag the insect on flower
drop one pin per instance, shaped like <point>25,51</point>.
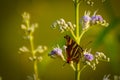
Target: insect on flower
<point>73,50</point>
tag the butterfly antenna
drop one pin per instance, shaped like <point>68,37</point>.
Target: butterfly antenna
<point>88,43</point>
<point>64,64</point>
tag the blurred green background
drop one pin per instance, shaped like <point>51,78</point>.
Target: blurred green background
<point>14,66</point>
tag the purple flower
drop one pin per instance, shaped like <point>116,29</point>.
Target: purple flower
<point>96,18</point>
<point>85,21</point>
<point>86,18</point>
<point>56,52</point>
<point>88,56</point>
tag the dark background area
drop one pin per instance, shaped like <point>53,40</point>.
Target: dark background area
<point>14,66</point>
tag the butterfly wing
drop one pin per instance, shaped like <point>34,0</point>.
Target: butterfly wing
<point>73,50</point>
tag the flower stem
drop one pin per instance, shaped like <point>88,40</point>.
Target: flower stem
<point>76,4</point>
<point>33,55</point>
<point>83,68</point>
<point>79,39</point>
<point>73,34</point>
<point>29,35</point>
<point>77,17</point>
<point>77,72</point>
<point>36,70</point>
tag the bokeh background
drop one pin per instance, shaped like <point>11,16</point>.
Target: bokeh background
<point>15,66</point>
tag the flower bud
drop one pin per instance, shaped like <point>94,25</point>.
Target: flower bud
<point>23,27</point>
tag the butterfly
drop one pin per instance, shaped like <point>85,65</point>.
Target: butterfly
<point>73,50</point>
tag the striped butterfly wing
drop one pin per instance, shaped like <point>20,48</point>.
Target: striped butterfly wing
<point>73,50</point>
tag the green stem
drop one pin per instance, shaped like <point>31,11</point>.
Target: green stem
<point>36,70</point>
<point>79,39</point>
<point>73,34</point>
<point>77,17</point>
<point>77,72</point>
<point>83,68</point>
<point>29,34</point>
<point>76,3</point>
<point>33,55</point>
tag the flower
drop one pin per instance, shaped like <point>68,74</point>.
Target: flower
<point>106,77</point>
<point>86,17</point>
<point>86,20</point>
<point>26,16</point>
<point>41,49</point>
<point>63,25</point>
<point>101,56</point>
<point>88,59</point>
<point>88,56</point>
<point>23,49</point>
<point>56,52</point>
<point>96,18</point>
